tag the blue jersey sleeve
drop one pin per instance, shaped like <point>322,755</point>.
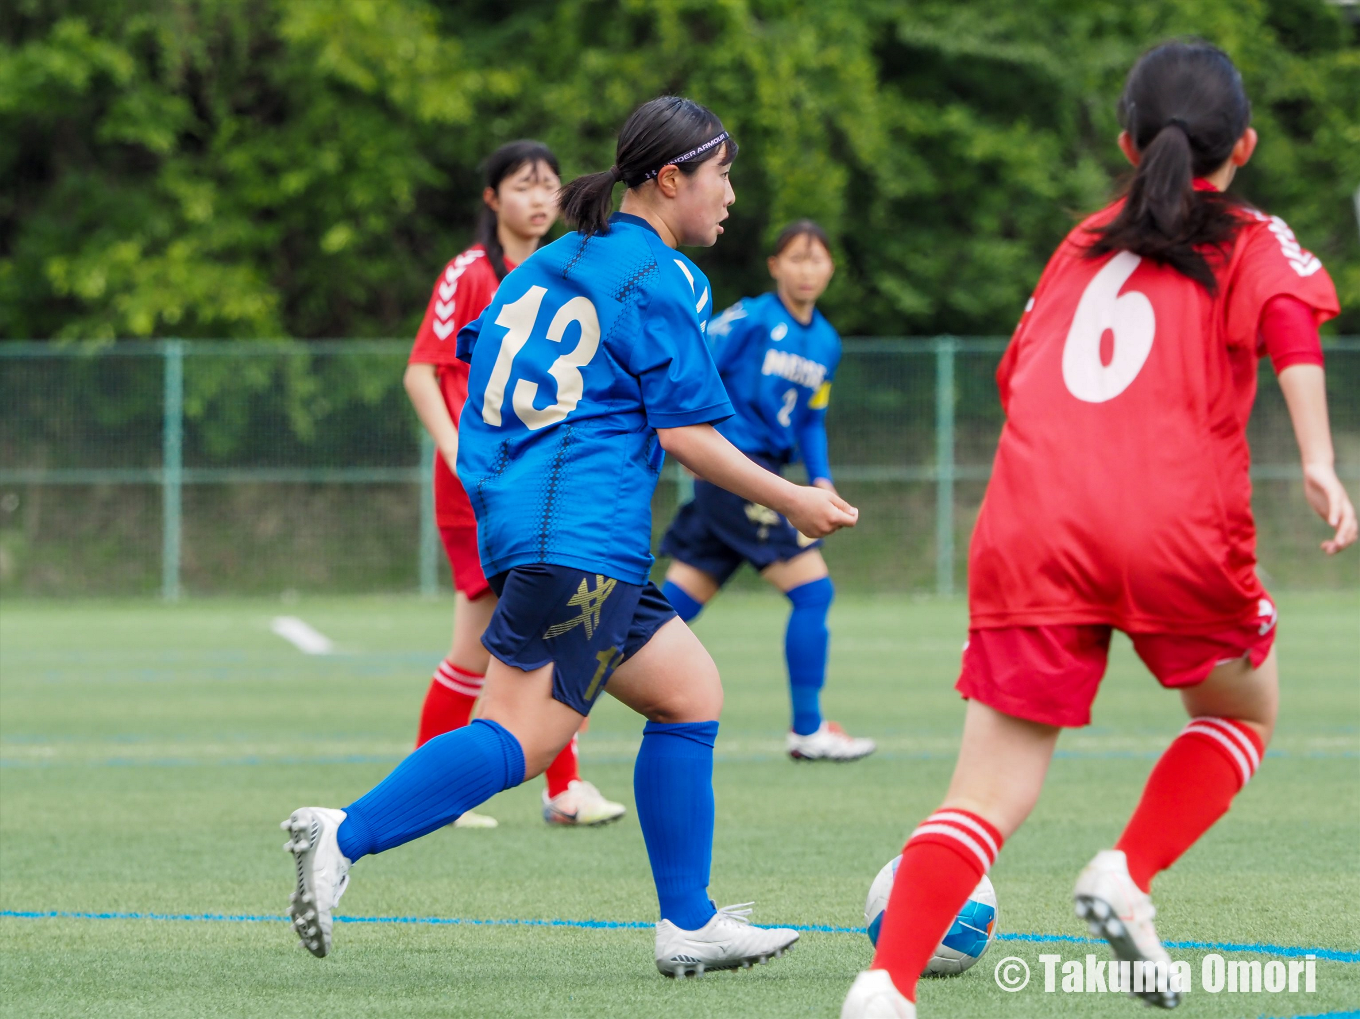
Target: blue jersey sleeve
<point>810,432</point>
<point>673,365</point>
<point>812,447</point>
<point>467,339</point>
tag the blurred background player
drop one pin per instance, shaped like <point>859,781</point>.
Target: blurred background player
<point>519,207</point>
<point>1120,498</point>
<point>777,355</point>
<point>561,445</point>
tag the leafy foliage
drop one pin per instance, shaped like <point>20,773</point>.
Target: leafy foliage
<point>269,168</point>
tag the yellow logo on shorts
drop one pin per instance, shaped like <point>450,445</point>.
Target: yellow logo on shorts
<point>590,603</point>
<point>762,515</point>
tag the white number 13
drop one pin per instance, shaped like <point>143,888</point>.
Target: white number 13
<point>518,318</point>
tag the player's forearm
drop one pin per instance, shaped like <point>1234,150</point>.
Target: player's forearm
<point>422,387</point>
<point>713,458</point>
<point>1305,393</point>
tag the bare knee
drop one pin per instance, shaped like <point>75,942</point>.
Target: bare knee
<point>671,679</point>
<point>1238,691</point>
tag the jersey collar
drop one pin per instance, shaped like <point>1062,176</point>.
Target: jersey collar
<point>1200,184</point>
<point>629,219</point>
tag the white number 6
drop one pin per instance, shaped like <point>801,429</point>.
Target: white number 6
<point>1128,316</point>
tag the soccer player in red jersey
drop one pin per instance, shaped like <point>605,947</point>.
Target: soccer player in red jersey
<point>1120,498</point>
<point>520,205</point>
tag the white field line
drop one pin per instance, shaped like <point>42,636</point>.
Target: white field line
<point>302,636</point>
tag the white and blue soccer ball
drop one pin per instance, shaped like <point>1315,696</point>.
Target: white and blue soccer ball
<point>968,936</point>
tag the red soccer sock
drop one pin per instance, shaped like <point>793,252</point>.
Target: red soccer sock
<point>448,702</point>
<point>564,770</point>
<point>1191,787</point>
<point>942,863</point>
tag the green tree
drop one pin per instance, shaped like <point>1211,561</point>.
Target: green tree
<point>268,168</point>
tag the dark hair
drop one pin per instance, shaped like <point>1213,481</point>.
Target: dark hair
<point>801,228</point>
<point>1184,108</point>
<point>667,130</point>
<point>507,160</point>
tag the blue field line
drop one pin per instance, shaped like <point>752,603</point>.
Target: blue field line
<point>1330,954</point>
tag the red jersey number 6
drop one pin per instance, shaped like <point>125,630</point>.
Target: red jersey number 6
<point>1128,316</point>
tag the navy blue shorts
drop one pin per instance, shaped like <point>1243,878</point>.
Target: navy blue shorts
<point>717,531</point>
<point>585,624</point>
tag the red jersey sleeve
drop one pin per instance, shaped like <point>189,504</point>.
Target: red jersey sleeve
<point>1271,263</point>
<point>461,292</point>
<point>1289,334</point>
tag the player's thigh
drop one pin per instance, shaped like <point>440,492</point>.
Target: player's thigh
<point>801,569</point>
<point>698,584</point>
<point>1002,764</point>
<point>470,619</point>
<point>523,702</point>
<point>671,679</point>
<point>1236,690</point>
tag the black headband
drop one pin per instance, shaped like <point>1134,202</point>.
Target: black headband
<point>684,157</point>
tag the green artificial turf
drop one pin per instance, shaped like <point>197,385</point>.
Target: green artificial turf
<point>149,753</point>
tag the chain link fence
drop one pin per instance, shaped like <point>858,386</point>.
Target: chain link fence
<point>199,467</point>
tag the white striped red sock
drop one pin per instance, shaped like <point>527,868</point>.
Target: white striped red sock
<point>449,701</point>
<point>460,680</point>
<point>1191,787</point>
<point>1238,740</point>
<point>964,832</point>
<point>941,864</point>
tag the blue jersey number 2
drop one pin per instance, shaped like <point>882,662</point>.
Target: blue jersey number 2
<point>519,318</point>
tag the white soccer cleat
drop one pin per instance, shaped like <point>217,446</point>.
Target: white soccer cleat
<point>829,743</point>
<point>728,941</point>
<point>1117,910</point>
<point>472,819</point>
<point>322,874</point>
<point>874,996</point>
<point>581,804</point>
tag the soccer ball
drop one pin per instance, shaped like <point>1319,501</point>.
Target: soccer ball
<point>968,937</point>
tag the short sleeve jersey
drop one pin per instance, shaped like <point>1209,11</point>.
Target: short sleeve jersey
<point>777,372</point>
<point>463,289</point>
<point>1120,492</point>
<point>588,347</point>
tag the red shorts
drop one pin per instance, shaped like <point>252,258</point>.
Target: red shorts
<point>460,545</point>
<point>1050,674</point>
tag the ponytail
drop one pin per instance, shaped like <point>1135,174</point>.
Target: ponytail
<point>587,201</point>
<point>1184,108</point>
<point>666,131</point>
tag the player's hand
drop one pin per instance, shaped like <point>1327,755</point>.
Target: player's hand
<point>816,512</point>
<point>1329,500</point>
<point>825,485</point>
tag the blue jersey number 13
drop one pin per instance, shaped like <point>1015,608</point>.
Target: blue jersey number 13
<point>518,318</point>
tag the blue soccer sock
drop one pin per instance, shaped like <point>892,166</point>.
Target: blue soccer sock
<point>445,777</point>
<point>685,606</point>
<point>673,788</point>
<point>805,644</point>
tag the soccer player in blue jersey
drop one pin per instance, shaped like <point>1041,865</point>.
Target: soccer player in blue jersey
<point>777,355</point>
<point>586,368</point>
